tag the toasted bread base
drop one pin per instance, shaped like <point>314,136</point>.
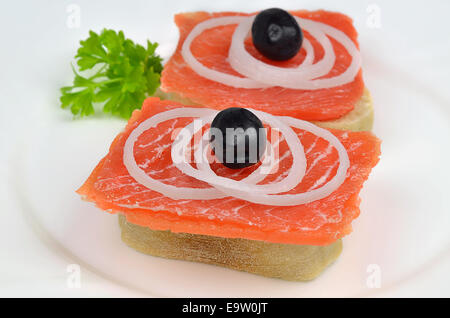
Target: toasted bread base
<point>359,119</point>
<point>284,261</point>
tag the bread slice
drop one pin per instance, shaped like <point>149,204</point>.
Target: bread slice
<point>285,261</point>
<point>359,119</point>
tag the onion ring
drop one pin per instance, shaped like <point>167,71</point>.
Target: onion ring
<point>255,177</point>
<point>246,189</point>
<point>296,172</point>
<point>244,63</point>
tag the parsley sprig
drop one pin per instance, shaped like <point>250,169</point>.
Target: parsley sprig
<point>121,75</point>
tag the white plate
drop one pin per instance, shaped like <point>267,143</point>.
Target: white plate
<point>401,237</point>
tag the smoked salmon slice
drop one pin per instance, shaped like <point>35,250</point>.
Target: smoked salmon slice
<point>320,222</point>
<point>211,49</point>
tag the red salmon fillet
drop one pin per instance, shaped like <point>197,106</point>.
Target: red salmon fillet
<point>211,48</point>
<point>317,223</point>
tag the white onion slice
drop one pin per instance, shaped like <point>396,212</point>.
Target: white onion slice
<point>294,177</point>
<point>310,55</point>
<point>244,63</point>
<point>295,78</point>
<point>268,158</point>
<point>246,189</point>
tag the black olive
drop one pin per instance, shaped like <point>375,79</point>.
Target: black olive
<point>237,137</point>
<point>276,34</point>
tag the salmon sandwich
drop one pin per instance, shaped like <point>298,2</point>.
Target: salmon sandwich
<point>248,188</point>
<point>304,64</point>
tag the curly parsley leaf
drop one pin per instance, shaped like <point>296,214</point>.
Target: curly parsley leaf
<point>122,75</point>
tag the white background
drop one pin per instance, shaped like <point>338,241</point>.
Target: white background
<point>45,155</point>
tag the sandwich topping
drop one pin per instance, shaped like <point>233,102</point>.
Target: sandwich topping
<point>193,142</point>
<point>309,75</point>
